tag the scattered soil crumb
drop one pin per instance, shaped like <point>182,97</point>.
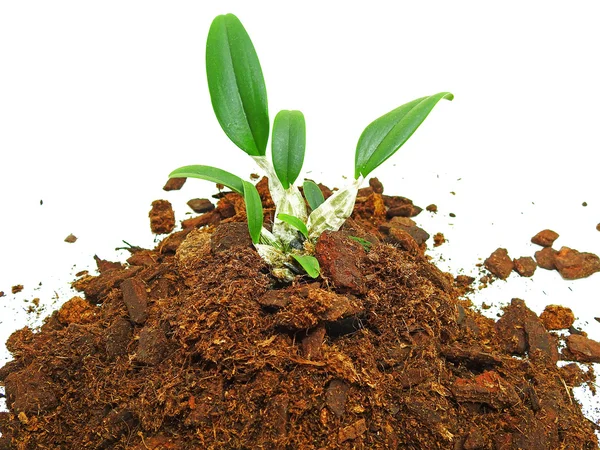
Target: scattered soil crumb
<point>201,205</point>
<point>525,266</point>
<point>452,214</point>
<point>17,288</point>
<point>583,349</point>
<point>71,238</point>
<point>556,317</point>
<point>584,204</point>
<point>598,227</point>
<point>174,184</point>
<point>432,208</point>
<point>438,239</point>
<point>499,263</point>
<point>545,258</point>
<point>162,217</point>
<point>2,294</point>
<point>376,185</point>
<point>545,238</point>
<point>573,265</point>
<point>254,176</point>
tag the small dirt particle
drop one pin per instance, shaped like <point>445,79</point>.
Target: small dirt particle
<point>556,317</point>
<point>118,335</point>
<point>152,346</point>
<point>475,440</point>
<point>499,263</point>
<point>376,185</point>
<point>340,257</point>
<point>174,184</point>
<point>104,265</point>
<point>525,266</point>
<point>400,206</point>
<point>335,397</point>
<point>573,265</point>
<point>135,299</point>
<point>545,238</point>
<point>76,310</point>
<point>313,341</point>
<point>519,330</point>
<point>584,204</point>
<point>71,238</point>
<point>30,391</point>
<point>17,288</point>
<point>598,227</point>
<point>229,235</point>
<point>452,214</point>
<point>162,217</point>
<point>438,239</point>
<point>582,349</point>
<point>432,208</point>
<point>275,299</point>
<point>400,238</point>
<point>254,176</point>
<point>200,205</point>
<point>488,388</point>
<point>545,258</point>
<point>353,431</point>
<point>2,294</point>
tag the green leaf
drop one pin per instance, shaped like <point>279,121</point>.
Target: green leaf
<point>295,222</point>
<point>313,194</point>
<point>365,244</point>
<point>288,145</point>
<point>210,174</point>
<point>236,85</point>
<point>309,264</point>
<point>384,136</point>
<point>254,211</point>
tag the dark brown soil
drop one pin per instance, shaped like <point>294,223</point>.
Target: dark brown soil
<point>195,345</point>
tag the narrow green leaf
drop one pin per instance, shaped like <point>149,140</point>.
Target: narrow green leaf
<point>365,244</point>
<point>313,194</point>
<point>236,85</point>
<point>384,136</point>
<point>210,174</point>
<point>295,222</point>
<point>288,145</point>
<point>254,211</point>
<point>309,264</point>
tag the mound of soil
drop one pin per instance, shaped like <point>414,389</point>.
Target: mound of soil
<point>195,345</point>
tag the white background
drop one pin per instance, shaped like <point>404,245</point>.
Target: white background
<point>99,101</point>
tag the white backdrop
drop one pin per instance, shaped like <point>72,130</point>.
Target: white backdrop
<point>99,101</point>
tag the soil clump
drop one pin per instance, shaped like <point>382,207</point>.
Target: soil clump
<point>194,344</point>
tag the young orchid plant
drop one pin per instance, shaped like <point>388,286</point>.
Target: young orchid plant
<point>239,99</point>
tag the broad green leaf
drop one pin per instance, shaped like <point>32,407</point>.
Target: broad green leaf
<point>309,264</point>
<point>254,211</point>
<point>288,145</point>
<point>295,222</point>
<point>313,194</point>
<point>384,136</point>
<point>210,174</point>
<point>236,85</point>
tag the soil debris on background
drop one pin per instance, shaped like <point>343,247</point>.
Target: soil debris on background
<point>71,238</point>
<point>545,238</point>
<point>174,184</point>
<point>162,217</point>
<point>193,344</point>
<point>200,205</point>
<point>525,266</point>
<point>499,263</point>
<point>16,288</point>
